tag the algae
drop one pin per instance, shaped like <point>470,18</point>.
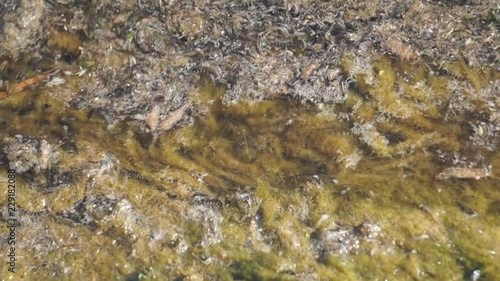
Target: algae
<point>255,191</point>
<point>289,173</point>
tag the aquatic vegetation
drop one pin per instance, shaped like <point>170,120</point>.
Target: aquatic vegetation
<point>290,140</point>
<point>65,42</point>
<point>267,177</point>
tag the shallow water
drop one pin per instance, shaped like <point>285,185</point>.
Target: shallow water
<point>318,158</point>
<point>269,190</point>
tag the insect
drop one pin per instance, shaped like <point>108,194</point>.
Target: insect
<point>308,70</point>
<point>464,173</point>
<point>173,118</point>
<point>400,49</point>
<point>153,119</point>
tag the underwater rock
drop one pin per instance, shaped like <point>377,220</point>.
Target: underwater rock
<point>25,153</point>
<point>22,155</point>
<point>38,160</point>
<point>340,240</point>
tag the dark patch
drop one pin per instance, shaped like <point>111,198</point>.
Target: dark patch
<point>134,276</point>
<point>46,106</point>
<point>29,106</point>
<point>393,137</point>
<point>121,91</point>
<point>202,199</point>
<point>88,210</point>
<point>144,139</point>
<point>70,57</point>
<point>79,215</point>
<point>473,275</point>
<point>494,208</point>
<point>68,139</point>
<point>3,159</point>
<point>466,210</point>
<point>56,178</point>
<point>44,122</point>
<point>134,175</point>
<point>288,272</point>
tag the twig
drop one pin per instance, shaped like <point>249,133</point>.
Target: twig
<point>23,85</point>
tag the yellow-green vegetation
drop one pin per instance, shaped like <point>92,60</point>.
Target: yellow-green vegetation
<point>64,41</point>
<point>396,98</point>
<point>256,191</point>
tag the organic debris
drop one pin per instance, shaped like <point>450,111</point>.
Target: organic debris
<point>21,86</point>
<point>465,173</point>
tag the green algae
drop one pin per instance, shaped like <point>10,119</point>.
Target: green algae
<point>267,151</point>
